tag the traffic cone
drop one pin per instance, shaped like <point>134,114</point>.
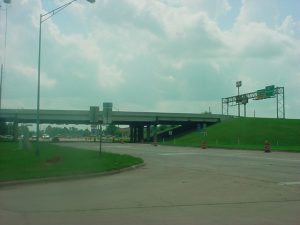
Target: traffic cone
<point>267,146</point>
<point>204,144</point>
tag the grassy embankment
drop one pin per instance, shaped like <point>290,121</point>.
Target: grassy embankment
<point>57,161</point>
<point>247,133</point>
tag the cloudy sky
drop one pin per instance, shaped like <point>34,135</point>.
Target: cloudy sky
<point>152,55</point>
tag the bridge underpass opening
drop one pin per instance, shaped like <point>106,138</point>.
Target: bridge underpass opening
<point>140,133</point>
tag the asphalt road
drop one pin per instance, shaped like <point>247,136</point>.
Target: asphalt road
<point>176,186</point>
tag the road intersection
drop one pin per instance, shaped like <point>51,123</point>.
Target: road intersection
<point>176,186</point>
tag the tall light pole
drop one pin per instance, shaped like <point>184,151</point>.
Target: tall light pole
<point>1,77</point>
<point>43,18</point>
<point>238,85</point>
<point>4,56</point>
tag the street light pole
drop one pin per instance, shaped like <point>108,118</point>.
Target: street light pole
<point>4,56</point>
<point>1,85</point>
<point>239,102</point>
<point>238,85</point>
<point>38,92</point>
<point>43,18</point>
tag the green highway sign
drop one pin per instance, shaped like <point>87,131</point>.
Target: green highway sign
<point>261,94</point>
<point>242,99</point>
<point>268,92</point>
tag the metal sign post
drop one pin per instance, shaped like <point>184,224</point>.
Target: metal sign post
<point>100,137</point>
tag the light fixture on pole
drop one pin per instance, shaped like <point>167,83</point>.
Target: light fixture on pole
<point>43,18</point>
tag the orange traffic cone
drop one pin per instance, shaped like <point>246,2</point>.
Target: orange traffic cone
<point>267,146</point>
<point>204,144</point>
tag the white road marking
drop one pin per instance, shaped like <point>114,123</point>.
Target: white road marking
<point>290,183</point>
<point>180,153</point>
<point>268,158</point>
<point>241,155</point>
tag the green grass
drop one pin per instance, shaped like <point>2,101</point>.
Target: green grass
<point>247,133</point>
<point>56,161</point>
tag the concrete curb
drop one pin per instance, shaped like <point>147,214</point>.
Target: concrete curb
<point>66,178</point>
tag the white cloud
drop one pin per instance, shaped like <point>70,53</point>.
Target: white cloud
<point>109,76</point>
<point>288,26</point>
<point>172,51</point>
<point>24,2</point>
<point>31,74</point>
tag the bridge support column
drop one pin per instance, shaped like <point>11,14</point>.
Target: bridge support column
<point>155,134</point>
<point>140,133</point>
<point>148,133</point>
<point>134,134</point>
<point>131,133</point>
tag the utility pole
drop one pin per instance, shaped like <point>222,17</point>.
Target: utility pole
<point>4,54</point>
<point>238,85</point>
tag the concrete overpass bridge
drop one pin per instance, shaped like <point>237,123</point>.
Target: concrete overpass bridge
<point>138,121</point>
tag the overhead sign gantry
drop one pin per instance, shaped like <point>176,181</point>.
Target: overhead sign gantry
<point>268,92</point>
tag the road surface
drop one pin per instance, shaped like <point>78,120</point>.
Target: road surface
<point>176,186</point>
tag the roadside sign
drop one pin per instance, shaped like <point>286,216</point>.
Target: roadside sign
<point>239,98</point>
<point>107,112</point>
<point>94,129</point>
<point>270,91</point>
<point>94,110</point>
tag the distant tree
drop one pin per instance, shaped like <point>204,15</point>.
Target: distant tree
<point>22,129</point>
<point>86,133</point>
<point>49,130</point>
<point>72,131</point>
<point>112,130</point>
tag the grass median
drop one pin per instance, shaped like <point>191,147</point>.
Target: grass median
<point>57,161</point>
<point>246,133</point>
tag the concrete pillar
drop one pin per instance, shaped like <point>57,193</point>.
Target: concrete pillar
<point>148,133</point>
<point>155,134</point>
<point>140,133</point>
<point>131,133</point>
<point>134,134</point>
<point>138,130</point>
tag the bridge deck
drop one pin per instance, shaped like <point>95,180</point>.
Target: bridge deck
<point>118,117</point>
